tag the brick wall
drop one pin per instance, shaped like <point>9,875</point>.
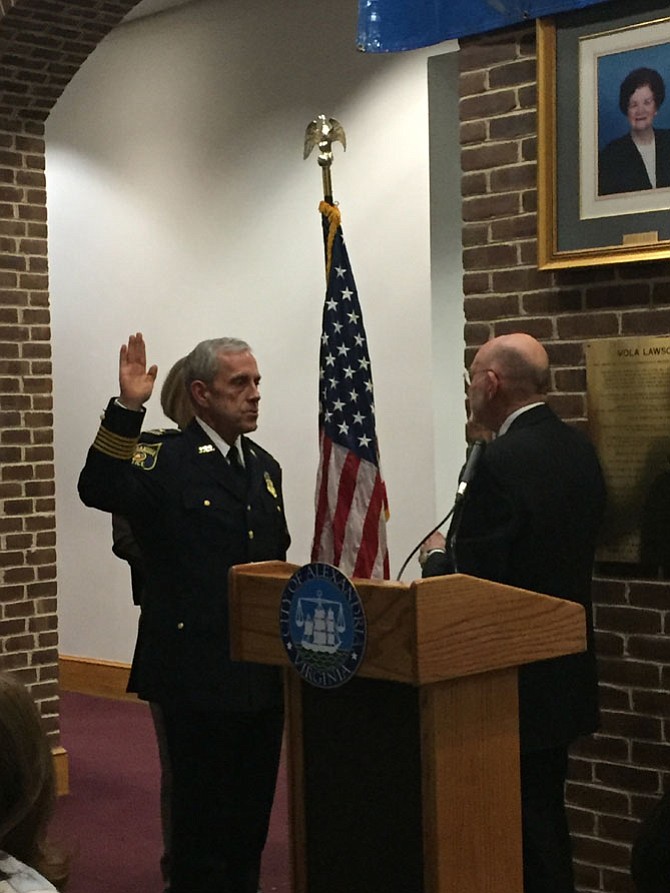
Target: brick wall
<point>42,44</point>
<point>617,775</point>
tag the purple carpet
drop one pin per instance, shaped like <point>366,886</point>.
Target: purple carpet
<point>110,821</point>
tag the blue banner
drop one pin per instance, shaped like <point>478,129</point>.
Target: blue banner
<point>388,26</point>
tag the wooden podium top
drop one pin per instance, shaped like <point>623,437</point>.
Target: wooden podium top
<point>433,629</point>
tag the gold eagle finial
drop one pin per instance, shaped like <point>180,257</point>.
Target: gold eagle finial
<point>323,132</point>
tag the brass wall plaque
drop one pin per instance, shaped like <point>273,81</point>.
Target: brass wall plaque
<point>628,387</point>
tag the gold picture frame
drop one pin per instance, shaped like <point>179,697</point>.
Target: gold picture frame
<point>577,225</point>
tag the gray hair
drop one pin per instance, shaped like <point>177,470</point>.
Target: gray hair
<point>202,364</point>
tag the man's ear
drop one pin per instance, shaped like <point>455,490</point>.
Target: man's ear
<point>199,391</point>
<point>492,383</point>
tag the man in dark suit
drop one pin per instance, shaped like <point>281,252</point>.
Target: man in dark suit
<point>529,519</point>
<point>200,502</point>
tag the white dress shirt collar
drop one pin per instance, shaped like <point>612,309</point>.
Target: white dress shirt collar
<point>515,415</point>
<point>220,443</point>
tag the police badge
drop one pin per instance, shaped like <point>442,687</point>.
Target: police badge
<point>269,485</point>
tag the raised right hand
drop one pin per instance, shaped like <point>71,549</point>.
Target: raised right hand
<point>135,380</point>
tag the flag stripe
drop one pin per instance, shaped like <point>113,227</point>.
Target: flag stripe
<point>350,531</point>
<point>346,494</point>
<point>321,495</point>
<point>367,556</point>
<point>356,529</point>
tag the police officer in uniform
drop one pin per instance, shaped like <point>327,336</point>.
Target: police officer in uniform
<point>200,502</point>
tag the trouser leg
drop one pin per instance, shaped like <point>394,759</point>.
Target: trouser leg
<point>165,789</point>
<point>547,849</point>
<point>224,768</point>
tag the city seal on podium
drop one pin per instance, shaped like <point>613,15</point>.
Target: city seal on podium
<point>322,625</point>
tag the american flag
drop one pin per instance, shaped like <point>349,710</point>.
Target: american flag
<point>351,503</point>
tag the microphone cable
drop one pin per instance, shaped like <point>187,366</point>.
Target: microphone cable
<point>466,475</point>
<point>418,545</point>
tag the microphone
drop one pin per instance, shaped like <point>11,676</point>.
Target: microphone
<point>466,475</point>
<point>469,469</point>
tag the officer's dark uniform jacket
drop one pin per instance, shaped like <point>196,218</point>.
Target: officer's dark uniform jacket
<point>194,517</point>
<point>124,541</point>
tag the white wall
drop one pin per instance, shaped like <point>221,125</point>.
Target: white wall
<point>179,205</point>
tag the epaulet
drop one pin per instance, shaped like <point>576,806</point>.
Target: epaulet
<point>158,433</point>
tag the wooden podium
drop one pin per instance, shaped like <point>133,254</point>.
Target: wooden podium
<point>406,778</point>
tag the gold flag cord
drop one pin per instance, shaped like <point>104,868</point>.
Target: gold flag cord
<point>334,218</point>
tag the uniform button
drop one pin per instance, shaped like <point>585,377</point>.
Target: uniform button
<point>206,502</point>
<point>248,508</point>
<point>180,625</point>
<point>251,534</point>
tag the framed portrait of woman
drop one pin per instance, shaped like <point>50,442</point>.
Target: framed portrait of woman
<point>604,136</point>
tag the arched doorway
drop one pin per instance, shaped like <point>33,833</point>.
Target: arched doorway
<point>43,44</point>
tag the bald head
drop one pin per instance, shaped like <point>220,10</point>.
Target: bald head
<point>520,361</point>
<point>507,373</point>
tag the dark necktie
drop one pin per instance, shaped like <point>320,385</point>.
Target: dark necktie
<point>233,457</point>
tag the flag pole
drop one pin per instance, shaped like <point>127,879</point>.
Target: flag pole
<point>323,132</point>
<point>351,506</point>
